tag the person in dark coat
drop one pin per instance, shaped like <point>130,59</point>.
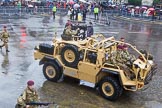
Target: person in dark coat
<point>76,13</point>
<point>84,14</point>
<point>90,30</point>
<point>72,13</point>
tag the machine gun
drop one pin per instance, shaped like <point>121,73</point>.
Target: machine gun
<point>38,104</point>
<point>81,27</point>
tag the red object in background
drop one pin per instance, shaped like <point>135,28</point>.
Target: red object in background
<point>23,31</point>
<point>151,9</point>
<point>58,5</point>
<point>71,2</point>
<point>64,5</point>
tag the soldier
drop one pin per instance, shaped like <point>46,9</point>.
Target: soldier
<point>68,23</point>
<point>69,32</point>
<point>29,95</point>
<point>118,56</point>
<point>4,37</point>
<point>122,44</point>
<point>127,58</point>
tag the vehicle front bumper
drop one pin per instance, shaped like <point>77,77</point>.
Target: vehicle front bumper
<point>150,74</point>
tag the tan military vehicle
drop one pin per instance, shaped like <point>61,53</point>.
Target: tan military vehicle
<point>97,60</point>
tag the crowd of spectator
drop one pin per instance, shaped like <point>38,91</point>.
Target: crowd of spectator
<point>89,7</point>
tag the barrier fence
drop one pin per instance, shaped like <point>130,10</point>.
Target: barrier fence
<point>30,10</point>
<point>11,10</point>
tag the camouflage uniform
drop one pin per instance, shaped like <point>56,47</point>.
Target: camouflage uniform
<point>67,34</point>
<point>27,97</point>
<point>70,32</point>
<point>116,57</point>
<point>128,58</point>
<point>4,37</point>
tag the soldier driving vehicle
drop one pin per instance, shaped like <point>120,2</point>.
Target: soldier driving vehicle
<point>4,37</point>
<point>90,60</point>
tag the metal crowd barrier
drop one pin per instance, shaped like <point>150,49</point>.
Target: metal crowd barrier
<point>12,10</point>
<point>126,14</point>
<point>110,13</point>
<point>30,10</point>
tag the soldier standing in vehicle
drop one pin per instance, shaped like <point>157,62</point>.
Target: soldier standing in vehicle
<point>29,95</point>
<point>54,9</point>
<point>4,37</point>
<point>69,32</point>
<point>68,23</point>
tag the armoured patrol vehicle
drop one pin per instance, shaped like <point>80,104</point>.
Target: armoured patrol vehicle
<point>95,60</point>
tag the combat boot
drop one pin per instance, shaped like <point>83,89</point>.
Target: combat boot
<point>7,51</point>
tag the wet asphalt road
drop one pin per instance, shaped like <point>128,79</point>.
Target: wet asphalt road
<point>18,66</point>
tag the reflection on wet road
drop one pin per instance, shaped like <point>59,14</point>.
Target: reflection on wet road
<point>18,66</point>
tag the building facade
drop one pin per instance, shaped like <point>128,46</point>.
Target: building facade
<point>147,2</point>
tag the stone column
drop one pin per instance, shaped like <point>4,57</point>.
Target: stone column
<point>147,2</point>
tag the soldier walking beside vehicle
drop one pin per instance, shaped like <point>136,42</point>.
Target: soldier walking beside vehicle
<point>29,95</point>
<point>4,37</point>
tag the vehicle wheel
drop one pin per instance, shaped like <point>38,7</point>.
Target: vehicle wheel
<point>52,72</point>
<point>110,88</point>
<point>70,55</point>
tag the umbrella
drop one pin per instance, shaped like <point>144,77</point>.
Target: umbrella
<point>71,2</point>
<point>83,1</point>
<point>130,6</point>
<point>137,7</point>
<point>144,7</point>
<point>76,6</point>
<point>30,6</point>
<point>151,9</point>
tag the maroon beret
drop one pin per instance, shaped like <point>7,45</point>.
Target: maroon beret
<point>30,83</point>
<point>122,38</point>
